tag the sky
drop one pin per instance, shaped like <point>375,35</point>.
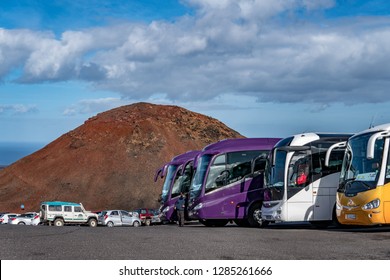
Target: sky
<point>265,68</point>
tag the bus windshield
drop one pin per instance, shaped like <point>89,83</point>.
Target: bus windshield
<point>274,174</point>
<point>201,170</point>
<point>358,173</point>
<point>167,184</point>
<point>182,181</point>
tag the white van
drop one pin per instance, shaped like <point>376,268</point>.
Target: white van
<point>60,213</point>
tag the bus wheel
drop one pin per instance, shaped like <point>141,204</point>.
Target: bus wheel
<point>254,216</point>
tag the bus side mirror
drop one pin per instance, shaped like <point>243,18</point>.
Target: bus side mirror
<point>338,145</point>
<point>371,142</point>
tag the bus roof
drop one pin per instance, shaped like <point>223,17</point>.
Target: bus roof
<point>183,158</point>
<point>177,160</point>
<point>309,137</point>
<point>239,144</point>
<point>377,128</point>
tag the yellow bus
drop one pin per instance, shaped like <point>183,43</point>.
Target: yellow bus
<point>363,196</point>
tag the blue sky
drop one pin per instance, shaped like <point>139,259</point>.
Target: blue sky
<point>264,68</point>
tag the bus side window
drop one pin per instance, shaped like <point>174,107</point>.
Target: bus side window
<point>299,171</point>
<point>387,174</point>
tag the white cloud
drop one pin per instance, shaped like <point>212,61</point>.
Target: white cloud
<point>18,109</point>
<point>93,106</point>
<point>255,48</point>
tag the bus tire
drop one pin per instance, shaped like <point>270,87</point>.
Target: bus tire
<point>254,216</point>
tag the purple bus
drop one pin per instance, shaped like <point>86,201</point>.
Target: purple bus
<point>178,174</point>
<point>228,182</point>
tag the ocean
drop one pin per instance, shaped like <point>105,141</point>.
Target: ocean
<point>11,152</point>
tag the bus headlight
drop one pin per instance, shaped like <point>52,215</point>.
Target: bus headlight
<point>372,204</point>
<point>197,207</point>
<point>338,206</point>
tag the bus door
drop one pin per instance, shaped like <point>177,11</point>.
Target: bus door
<point>299,193</point>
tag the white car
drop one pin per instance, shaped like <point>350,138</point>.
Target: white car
<point>36,220</point>
<point>5,217</point>
<point>22,219</point>
<point>111,218</point>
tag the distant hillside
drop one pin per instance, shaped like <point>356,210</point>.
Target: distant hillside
<point>110,160</point>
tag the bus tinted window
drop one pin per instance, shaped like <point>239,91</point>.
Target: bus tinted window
<point>232,169</point>
<point>299,169</point>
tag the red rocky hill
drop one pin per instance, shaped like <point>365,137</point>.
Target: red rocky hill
<point>110,160</point>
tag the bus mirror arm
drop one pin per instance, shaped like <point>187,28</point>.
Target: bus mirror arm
<point>371,142</point>
<point>331,148</point>
<point>288,149</point>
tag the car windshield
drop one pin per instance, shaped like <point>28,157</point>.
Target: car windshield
<point>199,176</point>
<point>167,183</point>
<point>358,173</point>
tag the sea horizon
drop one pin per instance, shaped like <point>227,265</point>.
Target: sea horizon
<point>11,152</point>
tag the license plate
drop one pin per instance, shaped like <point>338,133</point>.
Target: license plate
<point>350,217</point>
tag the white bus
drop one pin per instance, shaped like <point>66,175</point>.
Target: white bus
<point>301,178</point>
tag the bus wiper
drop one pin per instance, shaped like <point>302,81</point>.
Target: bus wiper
<point>368,187</point>
<point>343,185</point>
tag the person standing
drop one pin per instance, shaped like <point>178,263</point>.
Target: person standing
<point>180,207</point>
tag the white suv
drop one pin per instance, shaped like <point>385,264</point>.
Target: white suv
<point>60,213</point>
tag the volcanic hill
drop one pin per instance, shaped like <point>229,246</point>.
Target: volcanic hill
<point>109,162</point>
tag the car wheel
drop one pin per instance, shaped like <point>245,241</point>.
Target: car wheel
<point>58,222</point>
<point>92,223</point>
<point>110,224</point>
<point>136,224</point>
<point>21,223</point>
<point>147,222</point>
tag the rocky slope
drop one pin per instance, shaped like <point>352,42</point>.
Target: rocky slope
<point>109,161</point>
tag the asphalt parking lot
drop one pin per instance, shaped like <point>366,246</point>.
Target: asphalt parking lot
<point>194,241</point>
